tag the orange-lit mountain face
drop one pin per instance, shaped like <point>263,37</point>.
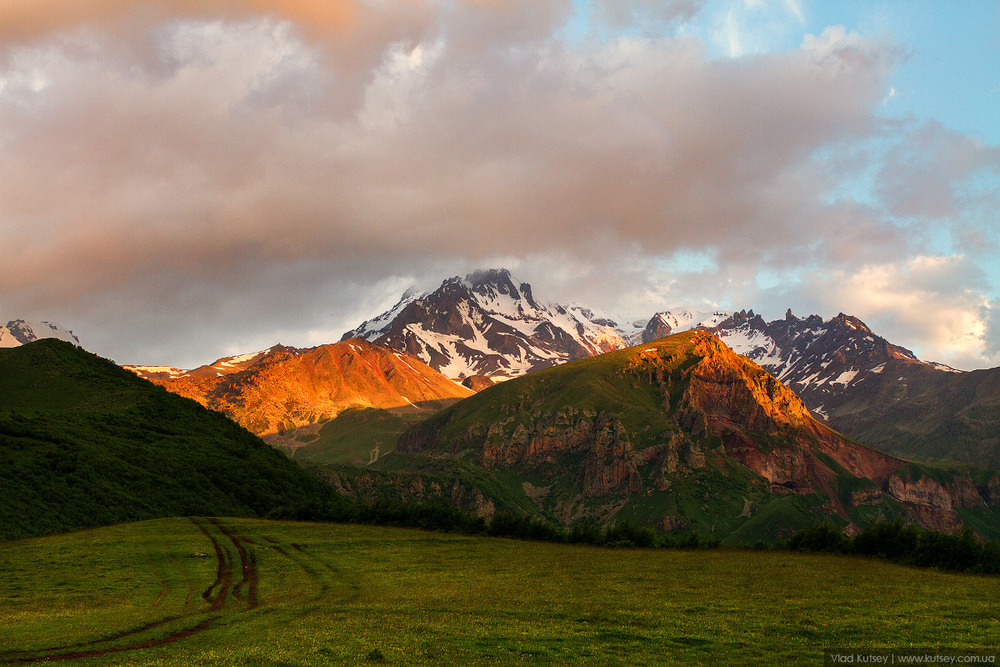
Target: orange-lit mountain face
<point>284,388</point>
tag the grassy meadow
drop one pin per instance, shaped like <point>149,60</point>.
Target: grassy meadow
<point>250,591</point>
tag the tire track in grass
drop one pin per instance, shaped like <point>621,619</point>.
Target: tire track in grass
<point>314,566</point>
<point>224,575</point>
<point>159,577</point>
<point>57,653</point>
<point>354,585</point>
<point>176,566</point>
<point>94,653</point>
<point>322,586</point>
<point>248,563</point>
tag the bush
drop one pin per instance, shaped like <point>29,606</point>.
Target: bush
<point>962,551</point>
<point>820,538</point>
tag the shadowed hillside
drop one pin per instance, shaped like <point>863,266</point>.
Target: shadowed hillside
<point>86,443</point>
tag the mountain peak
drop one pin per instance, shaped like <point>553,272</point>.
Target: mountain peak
<point>489,323</point>
<point>19,332</point>
<point>851,322</point>
<point>484,276</point>
<point>640,427</point>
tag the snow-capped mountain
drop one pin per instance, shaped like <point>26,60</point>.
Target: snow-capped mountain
<point>675,321</point>
<point>489,323</point>
<point>19,332</point>
<point>823,361</point>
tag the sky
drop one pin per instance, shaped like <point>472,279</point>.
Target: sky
<point>182,180</point>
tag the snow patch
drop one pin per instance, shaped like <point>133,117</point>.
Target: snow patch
<point>845,378</point>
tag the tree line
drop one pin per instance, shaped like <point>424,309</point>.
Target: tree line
<point>962,551</point>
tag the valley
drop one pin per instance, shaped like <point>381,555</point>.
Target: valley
<point>161,476</point>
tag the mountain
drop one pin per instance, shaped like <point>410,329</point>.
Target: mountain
<point>489,323</point>
<point>872,390</point>
<point>85,443</point>
<point>820,360</point>
<point>284,388</point>
<point>670,322</point>
<point>683,433</point>
<point>218,368</point>
<point>19,332</point>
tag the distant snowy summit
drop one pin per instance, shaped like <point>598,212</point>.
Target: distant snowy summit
<point>489,323</point>
<point>19,332</point>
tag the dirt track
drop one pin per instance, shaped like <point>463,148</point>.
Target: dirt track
<point>220,587</point>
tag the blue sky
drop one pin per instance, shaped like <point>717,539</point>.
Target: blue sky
<point>180,181</point>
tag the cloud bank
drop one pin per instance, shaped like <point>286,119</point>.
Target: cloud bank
<point>182,179</point>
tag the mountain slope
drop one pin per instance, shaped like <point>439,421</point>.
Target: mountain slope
<point>920,412</point>
<point>682,432</point>
<point>284,388</point>
<point>879,393</point>
<point>86,443</point>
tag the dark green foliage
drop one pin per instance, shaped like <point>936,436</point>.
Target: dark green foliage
<point>894,541</point>
<point>437,514</point>
<point>627,535</point>
<point>85,443</point>
<point>820,537</point>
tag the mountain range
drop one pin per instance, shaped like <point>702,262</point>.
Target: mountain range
<point>483,394</point>
<point>489,323</point>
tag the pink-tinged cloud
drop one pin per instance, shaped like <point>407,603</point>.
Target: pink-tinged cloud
<point>242,173</point>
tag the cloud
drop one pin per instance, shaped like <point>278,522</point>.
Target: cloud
<point>24,21</point>
<point>652,15</point>
<point>928,174</point>
<point>186,170</point>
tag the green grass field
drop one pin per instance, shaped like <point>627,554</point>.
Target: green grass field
<point>276,593</point>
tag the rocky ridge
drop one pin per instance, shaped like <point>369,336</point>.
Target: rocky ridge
<point>283,388</point>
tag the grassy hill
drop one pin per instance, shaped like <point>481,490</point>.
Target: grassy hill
<point>281,593</point>
<point>86,443</point>
<point>683,434</point>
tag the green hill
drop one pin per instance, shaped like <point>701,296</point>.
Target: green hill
<point>86,443</point>
<point>682,434</point>
<point>920,412</point>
